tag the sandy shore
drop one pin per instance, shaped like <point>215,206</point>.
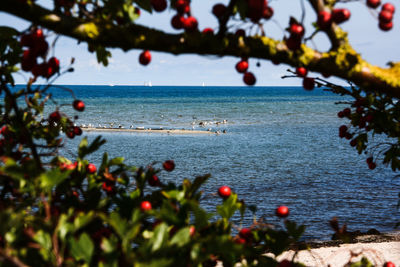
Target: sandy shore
<point>377,253</point>
<point>377,249</point>
<point>163,131</point>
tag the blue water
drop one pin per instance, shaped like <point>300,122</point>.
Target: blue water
<point>281,148</point>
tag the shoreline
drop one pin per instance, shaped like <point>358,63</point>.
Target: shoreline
<point>150,130</point>
<point>378,249</point>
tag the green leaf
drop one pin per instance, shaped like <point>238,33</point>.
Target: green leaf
<point>242,7</point>
<point>228,208</point>
<point>116,161</point>
<point>144,4</point>
<point>119,224</point>
<point>182,237</point>
<point>82,249</point>
<point>52,178</point>
<point>160,237</point>
<point>84,149</point>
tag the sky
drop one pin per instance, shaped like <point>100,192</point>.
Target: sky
<point>124,69</point>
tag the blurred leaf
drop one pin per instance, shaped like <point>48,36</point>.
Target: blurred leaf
<point>52,178</point>
<point>116,161</point>
<point>160,237</point>
<point>144,4</point>
<point>228,207</point>
<point>7,32</point>
<point>242,7</point>
<point>84,149</point>
<point>182,237</point>
<point>82,249</point>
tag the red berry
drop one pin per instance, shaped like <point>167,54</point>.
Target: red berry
<point>282,211</point>
<point>40,47</point>
<point>208,31</point>
<point>55,116</point>
<point>249,78</point>
<point>340,15</point>
<point>285,263</point>
<point>219,10</point>
<point>353,142</point>
<point>389,264</point>
<point>169,165</point>
<point>343,129</point>
<point>245,233</point>
<point>182,6</point>
<point>192,230</point>
<point>388,7</point>
<point>293,42</point>
<point>224,191</point>
<point>28,60</point>
<point>78,105</point>
<point>347,112</point>
<point>385,16</point>
<point>54,63</point>
<point>145,57</point>
<point>385,26</point>
<point>159,5</point>
<point>240,241</point>
<point>40,70</point>
<point>154,180</point>
<point>301,71</point>
<point>324,20</point>
<point>242,66</point>
<point>108,187</point>
<point>177,22</point>
<point>308,83</point>
<point>268,12</point>
<point>145,206</point>
<point>70,134</point>
<point>26,40</point>
<point>370,160</point>
<point>340,114</point>
<point>296,29</point>
<point>240,32</point>
<point>77,130</point>
<point>373,3</point>
<point>255,9</point>
<point>91,168</point>
<point>190,24</point>
<point>372,165</point>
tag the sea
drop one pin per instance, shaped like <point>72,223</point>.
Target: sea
<point>280,147</point>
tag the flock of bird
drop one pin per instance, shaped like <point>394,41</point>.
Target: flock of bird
<point>112,125</point>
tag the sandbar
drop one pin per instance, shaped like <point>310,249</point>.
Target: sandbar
<point>163,131</point>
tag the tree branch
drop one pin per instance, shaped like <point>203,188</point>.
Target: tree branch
<point>343,62</point>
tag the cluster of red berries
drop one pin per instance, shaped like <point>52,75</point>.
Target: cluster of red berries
<point>337,15</point>
<point>37,47</point>
<point>183,19</point>
<point>308,82</point>
<point>245,236</point>
<point>71,132</point>
<point>256,10</point>
<point>248,77</point>
<point>386,14</point>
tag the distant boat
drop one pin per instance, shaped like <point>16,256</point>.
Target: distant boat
<point>148,84</point>
<point>111,84</point>
<point>203,84</point>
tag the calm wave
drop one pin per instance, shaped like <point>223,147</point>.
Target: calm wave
<point>281,148</point>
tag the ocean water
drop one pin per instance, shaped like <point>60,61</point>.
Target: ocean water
<point>281,147</point>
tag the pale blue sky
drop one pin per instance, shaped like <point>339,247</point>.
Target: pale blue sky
<point>376,46</point>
